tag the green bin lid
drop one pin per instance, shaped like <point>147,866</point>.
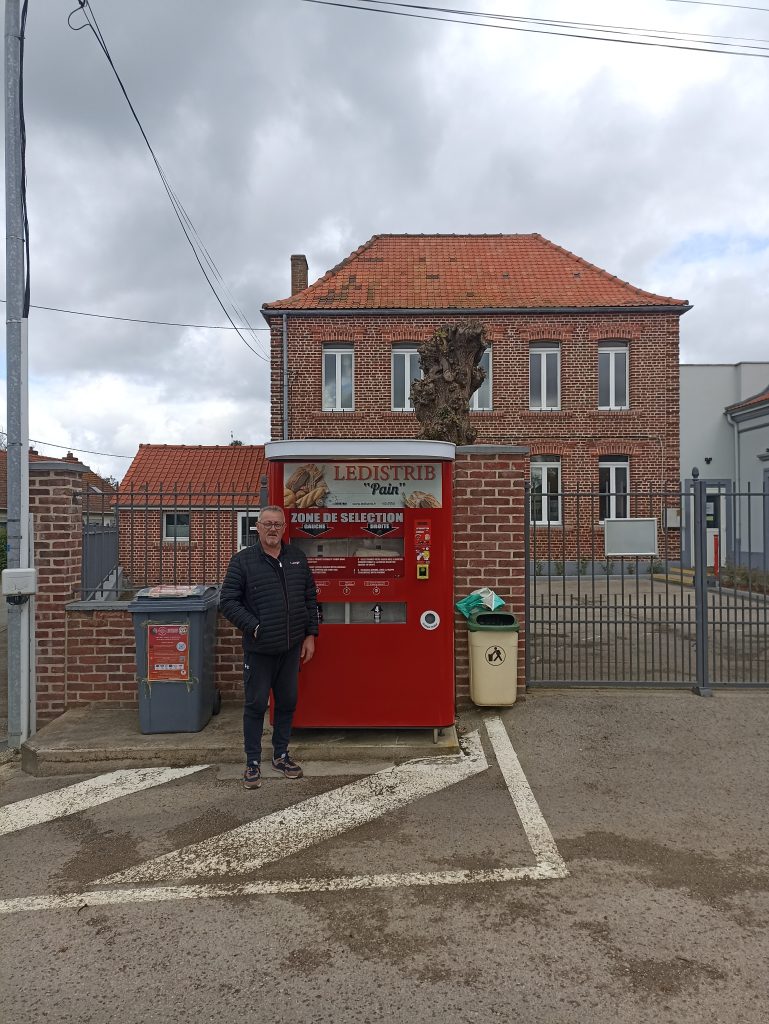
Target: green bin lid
<point>497,621</point>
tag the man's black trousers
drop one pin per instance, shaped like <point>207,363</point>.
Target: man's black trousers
<point>262,673</point>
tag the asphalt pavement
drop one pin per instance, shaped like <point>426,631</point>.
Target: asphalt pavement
<point>310,901</point>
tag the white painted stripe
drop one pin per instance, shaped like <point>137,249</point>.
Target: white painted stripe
<point>171,893</point>
<point>285,832</point>
<point>62,802</point>
<point>534,825</point>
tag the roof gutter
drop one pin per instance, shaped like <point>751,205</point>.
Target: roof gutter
<point>483,311</point>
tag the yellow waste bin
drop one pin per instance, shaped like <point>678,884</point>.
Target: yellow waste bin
<point>493,658</point>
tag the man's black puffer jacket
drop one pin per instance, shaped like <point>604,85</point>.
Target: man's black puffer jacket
<point>253,595</point>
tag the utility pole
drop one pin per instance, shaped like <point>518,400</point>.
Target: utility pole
<point>20,716</point>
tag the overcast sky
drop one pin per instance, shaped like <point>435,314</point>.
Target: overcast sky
<point>287,127</point>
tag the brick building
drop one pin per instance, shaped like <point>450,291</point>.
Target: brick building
<point>185,509</point>
<point>582,367</point>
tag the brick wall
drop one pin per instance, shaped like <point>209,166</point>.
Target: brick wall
<point>54,495</point>
<point>489,541</point>
<point>147,559</point>
<point>579,433</point>
<point>100,657</point>
<point>86,650</point>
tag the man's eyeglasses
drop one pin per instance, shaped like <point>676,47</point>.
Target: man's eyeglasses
<point>271,526</point>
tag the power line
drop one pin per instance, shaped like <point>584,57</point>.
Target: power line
<point>711,3</point>
<point>671,42</point>
<point>199,250</point>
<point>71,448</point>
<point>137,320</point>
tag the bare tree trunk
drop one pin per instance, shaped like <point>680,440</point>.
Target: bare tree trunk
<point>450,374</point>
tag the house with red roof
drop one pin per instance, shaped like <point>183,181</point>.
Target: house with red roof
<point>185,509</point>
<point>582,367</point>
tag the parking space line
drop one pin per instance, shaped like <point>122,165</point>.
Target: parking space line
<point>549,863</point>
<point>172,893</point>
<point>60,803</point>
<point>534,825</point>
<point>309,822</point>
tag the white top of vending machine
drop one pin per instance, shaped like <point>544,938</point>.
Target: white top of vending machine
<point>395,448</point>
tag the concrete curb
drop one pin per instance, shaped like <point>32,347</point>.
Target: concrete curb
<point>88,740</point>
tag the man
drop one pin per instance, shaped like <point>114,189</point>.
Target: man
<point>269,593</point>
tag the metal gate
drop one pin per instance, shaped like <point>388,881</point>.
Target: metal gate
<point>691,612</point>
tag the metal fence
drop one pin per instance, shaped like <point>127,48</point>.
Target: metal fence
<point>100,559</point>
<point>691,612</point>
<point>168,536</point>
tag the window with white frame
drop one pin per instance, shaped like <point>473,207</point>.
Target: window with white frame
<point>338,377</point>
<point>480,400</point>
<point>247,529</point>
<point>405,370</point>
<point>614,487</point>
<point>545,489</point>
<point>176,526</point>
<point>612,376</point>
<point>545,376</point>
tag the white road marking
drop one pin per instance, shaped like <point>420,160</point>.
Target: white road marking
<point>312,821</point>
<point>549,863</point>
<point>62,802</point>
<point>534,825</point>
<point>171,893</point>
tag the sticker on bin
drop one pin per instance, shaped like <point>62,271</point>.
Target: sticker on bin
<point>168,656</point>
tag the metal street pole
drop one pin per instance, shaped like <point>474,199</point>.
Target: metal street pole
<point>17,388</point>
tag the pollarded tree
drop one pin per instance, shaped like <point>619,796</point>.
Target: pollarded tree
<point>451,372</point>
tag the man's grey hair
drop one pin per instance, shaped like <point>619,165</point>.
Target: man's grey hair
<point>271,508</point>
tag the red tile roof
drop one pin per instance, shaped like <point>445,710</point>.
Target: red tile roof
<point>747,403</point>
<point>230,473</point>
<point>468,272</point>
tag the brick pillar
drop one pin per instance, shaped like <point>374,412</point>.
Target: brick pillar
<point>489,517</point>
<point>55,492</point>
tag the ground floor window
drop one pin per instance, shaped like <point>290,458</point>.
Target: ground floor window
<point>613,486</point>
<point>247,529</point>
<point>545,489</point>
<point>176,526</point>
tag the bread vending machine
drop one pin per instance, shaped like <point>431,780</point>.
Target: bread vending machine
<point>374,519</point>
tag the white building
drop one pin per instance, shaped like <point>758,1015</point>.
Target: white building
<point>725,434</point>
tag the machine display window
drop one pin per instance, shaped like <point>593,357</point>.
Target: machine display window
<point>366,557</point>
<point>359,613</point>
<point>317,548</point>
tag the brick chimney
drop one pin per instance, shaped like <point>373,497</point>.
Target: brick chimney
<point>298,274</point>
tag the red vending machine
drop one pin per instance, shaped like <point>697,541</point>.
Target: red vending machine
<point>374,519</point>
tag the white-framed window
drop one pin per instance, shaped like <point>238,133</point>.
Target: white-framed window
<point>545,489</point>
<point>614,487</point>
<point>612,376</point>
<point>338,378</point>
<point>545,376</point>
<point>405,370</point>
<point>247,529</point>
<point>480,400</point>
<point>176,526</point>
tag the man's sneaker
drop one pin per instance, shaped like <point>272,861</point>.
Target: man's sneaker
<point>252,777</point>
<point>287,767</point>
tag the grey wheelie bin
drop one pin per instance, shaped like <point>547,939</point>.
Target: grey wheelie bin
<point>493,658</point>
<point>175,630</point>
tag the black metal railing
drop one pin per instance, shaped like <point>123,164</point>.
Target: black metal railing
<point>169,535</point>
<point>690,611</point>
